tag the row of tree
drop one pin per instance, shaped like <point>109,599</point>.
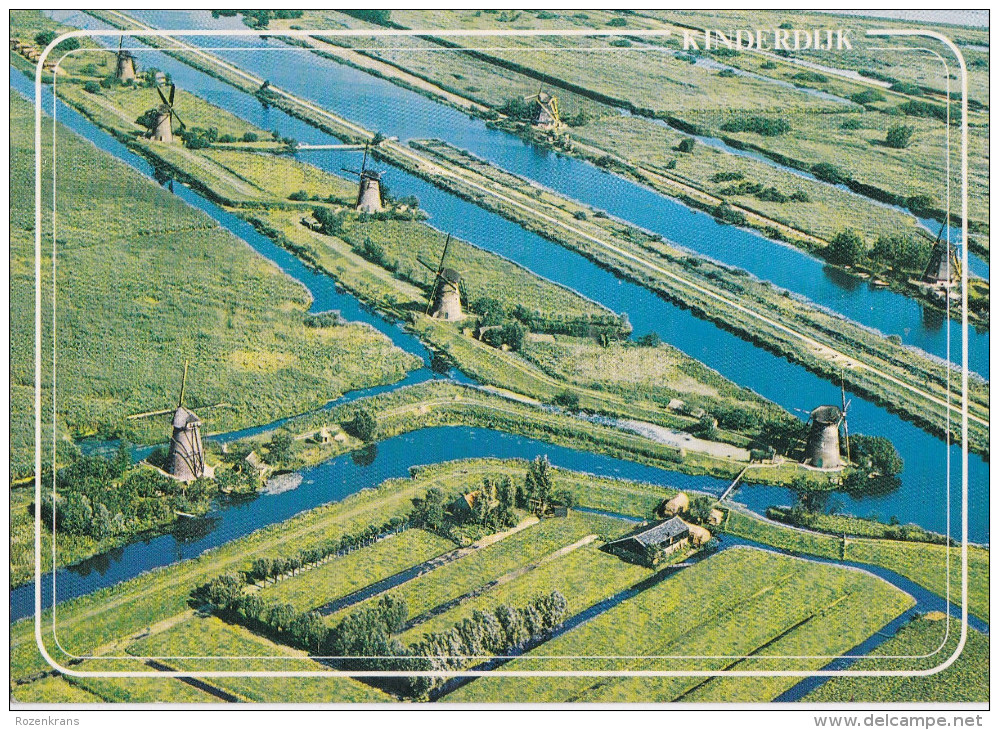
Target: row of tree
<point>273,567</point>
<point>368,632</point>
<point>901,252</point>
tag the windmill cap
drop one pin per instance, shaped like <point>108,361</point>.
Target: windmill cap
<point>826,414</point>
<point>451,276</point>
<point>183,418</point>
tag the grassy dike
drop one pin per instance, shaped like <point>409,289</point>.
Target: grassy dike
<point>830,346</point>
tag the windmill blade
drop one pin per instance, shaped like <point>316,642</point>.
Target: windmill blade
<point>176,116</point>
<point>364,159</point>
<point>426,265</point>
<point>352,172</point>
<point>121,42</point>
<point>433,292</point>
<point>447,243</point>
<point>802,410</point>
<point>163,98</point>
<point>846,438</point>
<point>183,385</point>
<point>173,91</point>
<point>150,414</point>
<point>842,392</point>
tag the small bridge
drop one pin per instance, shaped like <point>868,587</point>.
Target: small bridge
<point>330,147</point>
<point>732,486</point>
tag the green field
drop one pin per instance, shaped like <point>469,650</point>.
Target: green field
<point>491,562</point>
<point>233,314</point>
<point>770,606</point>
<point>340,577</point>
<point>964,681</point>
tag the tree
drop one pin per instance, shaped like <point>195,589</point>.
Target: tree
<point>687,144</point>
<point>45,37</point>
<point>490,310</point>
<point>429,511</point>
<point>92,87</point>
<point>876,453</point>
<point>148,119</point>
<point>846,248</point>
<point>901,251</point>
<point>279,448</point>
<point>363,425</point>
<point>700,508</point>
<point>567,399</point>
<point>513,334</point>
<point>652,339</point>
<point>538,484</point>
<point>899,136</point>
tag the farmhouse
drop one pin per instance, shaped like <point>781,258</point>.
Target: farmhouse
<point>464,505</point>
<point>653,544</point>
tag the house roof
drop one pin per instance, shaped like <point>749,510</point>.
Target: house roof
<point>670,529</point>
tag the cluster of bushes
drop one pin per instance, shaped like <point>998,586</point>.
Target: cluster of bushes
<point>492,506</point>
<point>727,214</point>
<point>103,498</point>
<point>538,489</point>
<point>511,333</point>
<point>364,424</point>
<point>868,96</point>
<point>767,194</point>
<point>764,126</point>
<point>901,252</point>
<point>919,108</point>
<point>810,77</point>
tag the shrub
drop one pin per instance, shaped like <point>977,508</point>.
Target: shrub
<point>687,144</point>
<point>726,176</point>
<point>726,73</point>
<point>92,87</point>
<point>363,425</point>
<point>45,37</point>
<point>250,137</point>
<point>617,22</point>
<point>768,65</point>
<point>917,108</point>
<point>851,123</point>
<point>652,339</point>
<point>829,173</point>
<point>904,87</point>
<point>869,96</point>
<point>800,196</point>
<point>846,248</point>
<point>763,126</point>
<point>567,399</point>
<point>810,77</point>
<point>899,136</point>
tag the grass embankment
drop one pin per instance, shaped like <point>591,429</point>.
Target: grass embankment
<point>963,681</point>
<point>483,81</point>
<point>443,404</point>
<point>771,607</point>
<point>922,563</point>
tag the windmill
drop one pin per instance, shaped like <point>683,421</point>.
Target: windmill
<point>186,455</point>
<point>125,68</point>
<point>822,446</point>
<point>165,114</point>
<point>546,114</point>
<point>445,295</point>
<point>369,191</point>
<point>943,266</point>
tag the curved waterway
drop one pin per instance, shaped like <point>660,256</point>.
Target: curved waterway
<point>923,496</point>
<point>380,105</point>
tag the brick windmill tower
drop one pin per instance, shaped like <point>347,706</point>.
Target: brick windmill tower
<point>369,190</point>
<point>124,69</point>
<point>165,114</point>
<point>445,296</point>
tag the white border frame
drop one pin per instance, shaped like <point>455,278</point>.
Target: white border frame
<point>471,673</point>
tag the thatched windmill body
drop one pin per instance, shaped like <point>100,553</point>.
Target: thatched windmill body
<point>943,267</point>
<point>822,446</point>
<point>546,114</point>
<point>186,454</point>
<point>124,69</point>
<point>165,114</point>
<point>369,190</point>
<point>445,296</point>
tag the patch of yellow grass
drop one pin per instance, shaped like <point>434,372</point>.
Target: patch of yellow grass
<point>261,362</point>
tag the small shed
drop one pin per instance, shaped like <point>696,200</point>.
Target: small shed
<point>716,516</point>
<point>253,461</point>
<point>679,504</point>
<point>652,544</point>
